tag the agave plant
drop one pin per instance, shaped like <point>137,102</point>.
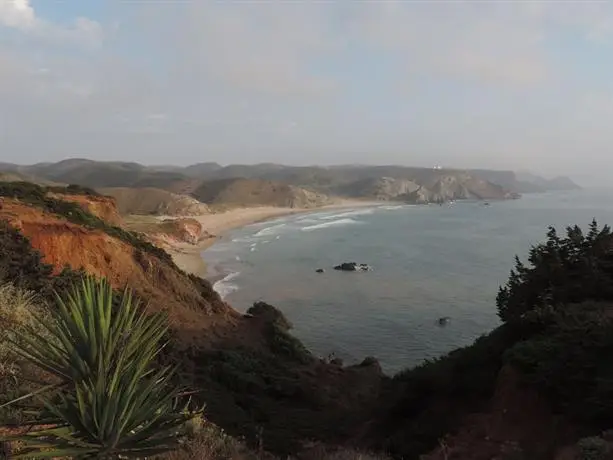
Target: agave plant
<point>108,400</point>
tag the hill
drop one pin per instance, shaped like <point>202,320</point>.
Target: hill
<point>14,176</point>
<point>341,180</point>
<point>258,382</point>
<point>344,180</point>
<point>154,201</point>
<point>537,387</point>
<point>98,174</point>
<point>553,184</point>
<point>255,192</point>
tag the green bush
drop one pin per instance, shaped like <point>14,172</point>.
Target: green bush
<point>73,189</point>
<point>568,362</point>
<point>429,401</point>
<point>565,270</point>
<point>593,448</point>
<point>277,329</point>
<point>107,398</point>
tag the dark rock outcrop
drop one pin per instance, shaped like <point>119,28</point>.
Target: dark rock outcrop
<point>352,267</point>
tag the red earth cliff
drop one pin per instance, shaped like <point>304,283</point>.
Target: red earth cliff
<point>193,308</point>
<point>182,230</point>
<point>103,207</point>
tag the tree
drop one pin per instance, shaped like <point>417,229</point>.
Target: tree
<point>561,271</point>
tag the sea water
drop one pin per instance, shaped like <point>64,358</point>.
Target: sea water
<point>428,261</point>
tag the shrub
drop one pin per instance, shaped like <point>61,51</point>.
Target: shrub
<point>108,400</point>
<point>270,314</point>
<point>568,362</point>
<point>593,448</point>
<point>561,271</point>
<point>209,442</point>
<point>73,189</point>
<point>18,308</point>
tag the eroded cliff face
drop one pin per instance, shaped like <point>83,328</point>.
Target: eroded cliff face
<point>169,232</point>
<point>104,207</point>
<point>255,379</point>
<point>456,187</point>
<point>192,306</point>
<point>431,188</point>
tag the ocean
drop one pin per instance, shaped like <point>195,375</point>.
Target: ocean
<point>428,262</point>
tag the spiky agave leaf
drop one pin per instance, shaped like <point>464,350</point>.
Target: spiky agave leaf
<point>112,401</point>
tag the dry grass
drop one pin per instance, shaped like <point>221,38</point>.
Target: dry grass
<point>17,310</point>
<point>209,442</point>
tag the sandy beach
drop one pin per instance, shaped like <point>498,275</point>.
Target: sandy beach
<point>188,257</point>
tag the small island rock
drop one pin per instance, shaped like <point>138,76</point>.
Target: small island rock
<point>352,267</point>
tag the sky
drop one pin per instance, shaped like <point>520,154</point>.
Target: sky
<point>494,84</point>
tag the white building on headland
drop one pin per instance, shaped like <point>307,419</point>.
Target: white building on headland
<point>437,167</point>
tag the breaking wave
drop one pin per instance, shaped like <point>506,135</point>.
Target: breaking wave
<point>224,287</point>
<point>334,223</point>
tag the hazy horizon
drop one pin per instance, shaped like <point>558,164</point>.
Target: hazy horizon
<point>499,85</point>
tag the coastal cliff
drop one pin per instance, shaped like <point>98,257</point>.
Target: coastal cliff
<point>527,388</point>
<point>252,374</point>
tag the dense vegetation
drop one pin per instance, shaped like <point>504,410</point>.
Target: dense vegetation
<point>38,196</point>
<point>557,331</point>
<point>562,271</point>
<point>73,189</point>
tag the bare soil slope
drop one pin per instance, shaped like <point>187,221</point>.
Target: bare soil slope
<point>154,201</point>
<point>256,192</point>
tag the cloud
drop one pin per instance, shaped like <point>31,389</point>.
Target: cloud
<point>492,43</point>
<point>495,82</point>
<point>265,47</point>
<point>17,13</point>
<point>20,15</point>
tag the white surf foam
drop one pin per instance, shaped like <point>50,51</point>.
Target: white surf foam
<point>392,208</point>
<point>334,223</point>
<point>243,240</point>
<point>224,287</point>
<point>357,212</point>
<point>269,230</point>
<point>307,220</point>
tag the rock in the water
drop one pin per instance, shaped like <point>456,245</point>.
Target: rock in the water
<point>319,270</point>
<point>347,267</point>
<point>352,267</point>
<point>443,321</point>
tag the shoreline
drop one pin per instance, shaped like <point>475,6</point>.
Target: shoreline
<point>188,257</point>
